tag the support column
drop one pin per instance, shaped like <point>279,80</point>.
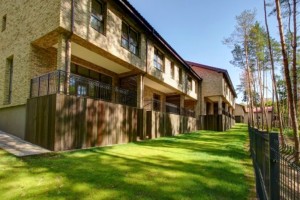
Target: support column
<point>220,106</point>
<point>140,91</point>
<point>221,123</point>
<point>226,108</point>
<point>114,95</point>
<point>227,118</point>
<point>181,104</point>
<point>64,53</point>
<point>211,108</point>
<point>198,111</point>
<point>64,61</point>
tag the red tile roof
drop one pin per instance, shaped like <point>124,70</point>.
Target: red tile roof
<point>258,109</point>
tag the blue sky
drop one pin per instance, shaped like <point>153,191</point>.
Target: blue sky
<point>196,28</point>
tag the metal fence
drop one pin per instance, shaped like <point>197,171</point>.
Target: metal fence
<point>277,175</point>
<point>72,84</point>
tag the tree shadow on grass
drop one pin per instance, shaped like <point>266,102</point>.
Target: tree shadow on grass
<point>170,168</point>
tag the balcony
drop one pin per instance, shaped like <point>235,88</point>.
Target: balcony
<point>157,105</point>
<point>60,82</point>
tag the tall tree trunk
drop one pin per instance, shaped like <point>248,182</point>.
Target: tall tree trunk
<point>249,81</point>
<point>274,82</point>
<point>294,46</point>
<point>262,101</point>
<point>273,106</point>
<point>255,102</point>
<point>265,92</point>
<point>288,82</point>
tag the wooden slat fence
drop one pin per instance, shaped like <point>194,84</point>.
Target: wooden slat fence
<point>60,122</point>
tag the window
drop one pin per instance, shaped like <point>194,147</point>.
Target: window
<point>97,17</point>
<point>189,83</point>
<point>81,87</point>
<point>172,70</point>
<point>156,102</point>
<point>3,22</point>
<point>8,81</point>
<point>158,60</point>
<point>180,75</point>
<point>130,39</point>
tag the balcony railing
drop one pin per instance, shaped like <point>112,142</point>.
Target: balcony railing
<point>156,105</point>
<point>59,82</point>
<point>172,108</point>
<point>188,112</point>
<point>227,114</point>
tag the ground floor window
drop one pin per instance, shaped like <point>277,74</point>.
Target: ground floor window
<point>90,83</point>
<point>156,102</point>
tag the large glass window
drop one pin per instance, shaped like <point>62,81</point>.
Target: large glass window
<point>130,39</point>
<point>97,17</point>
<point>94,84</point>
<point>158,60</point>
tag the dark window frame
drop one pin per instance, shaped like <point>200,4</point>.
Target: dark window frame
<point>8,92</point>
<point>190,83</point>
<point>180,74</point>
<point>172,70</point>
<point>127,39</point>
<point>156,102</point>
<point>101,75</point>
<point>83,89</point>
<point>158,55</point>
<point>4,21</point>
<point>99,17</point>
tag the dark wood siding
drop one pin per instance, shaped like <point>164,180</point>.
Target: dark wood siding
<point>59,122</point>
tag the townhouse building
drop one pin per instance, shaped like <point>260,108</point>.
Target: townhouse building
<point>261,118</point>
<point>240,113</point>
<point>76,74</point>
<point>218,97</point>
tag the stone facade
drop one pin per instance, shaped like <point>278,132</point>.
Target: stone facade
<point>39,38</point>
<point>26,22</point>
<point>30,36</point>
<point>217,97</point>
<point>240,113</point>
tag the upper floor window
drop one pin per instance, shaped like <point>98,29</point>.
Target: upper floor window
<point>8,81</point>
<point>189,83</point>
<point>3,22</point>
<point>158,60</point>
<point>97,17</point>
<point>172,70</point>
<point>180,75</point>
<point>130,39</point>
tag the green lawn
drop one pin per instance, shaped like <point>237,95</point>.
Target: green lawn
<point>201,165</point>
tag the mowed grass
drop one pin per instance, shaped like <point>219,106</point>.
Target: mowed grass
<point>200,165</point>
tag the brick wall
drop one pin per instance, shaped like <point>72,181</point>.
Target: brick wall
<point>212,83</point>
<point>26,21</point>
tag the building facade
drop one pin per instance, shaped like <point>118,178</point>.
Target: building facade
<point>262,118</point>
<point>240,113</point>
<point>217,99</point>
<point>62,60</point>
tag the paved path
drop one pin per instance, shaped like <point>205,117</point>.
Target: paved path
<point>19,147</point>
